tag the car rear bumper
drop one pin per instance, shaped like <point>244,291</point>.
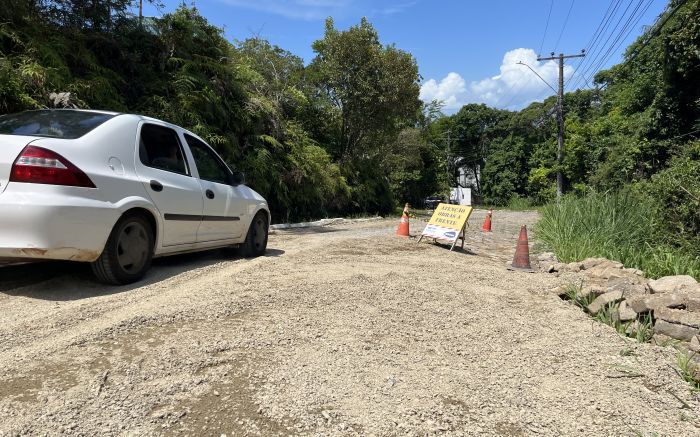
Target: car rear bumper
<point>40,225</point>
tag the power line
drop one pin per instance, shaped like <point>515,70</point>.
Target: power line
<point>513,97</point>
<point>603,27</point>
<point>564,26</point>
<point>595,58</point>
<point>595,38</point>
<point>605,19</point>
<point>551,4</point>
<point>620,39</point>
<point>600,30</point>
<point>655,31</point>
<point>684,135</point>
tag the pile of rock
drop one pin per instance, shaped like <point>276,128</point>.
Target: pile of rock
<point>672,301</point>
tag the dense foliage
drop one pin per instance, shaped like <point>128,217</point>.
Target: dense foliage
<point>343,134</point>
<point>346,133</point>
<point>633,126</point>
<point>636,133</point>
<point>618,226</point>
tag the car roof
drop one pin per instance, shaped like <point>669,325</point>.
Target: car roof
<point>114,113</point>
<point>174,126</point>
<point>93,111</point>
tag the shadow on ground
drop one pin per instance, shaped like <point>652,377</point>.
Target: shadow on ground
<point>63,281</point>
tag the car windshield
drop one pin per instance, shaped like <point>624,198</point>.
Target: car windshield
<point>59,123</point>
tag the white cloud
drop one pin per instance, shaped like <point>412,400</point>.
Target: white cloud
<point>312,10</point>
<point>450,91</point>
<point>295,9</point>
<point>396,8</point>
<point>515,87</point>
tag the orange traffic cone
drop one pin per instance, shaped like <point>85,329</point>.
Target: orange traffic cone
<point>402,231</point>
<point>521,260</point>
<point>487,222</point>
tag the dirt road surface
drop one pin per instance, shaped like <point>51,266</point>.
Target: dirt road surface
<point>341,330</point>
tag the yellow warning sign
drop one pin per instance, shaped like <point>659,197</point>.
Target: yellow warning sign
<point>447,221</point>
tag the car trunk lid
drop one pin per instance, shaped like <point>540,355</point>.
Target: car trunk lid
<point>10,148</point>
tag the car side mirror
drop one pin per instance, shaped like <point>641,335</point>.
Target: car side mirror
<point>237,178</point>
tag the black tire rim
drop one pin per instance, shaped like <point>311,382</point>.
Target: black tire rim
<point>259,234</point>
<point>132,247</point>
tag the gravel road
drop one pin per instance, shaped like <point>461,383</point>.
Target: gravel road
<point>340,330</point>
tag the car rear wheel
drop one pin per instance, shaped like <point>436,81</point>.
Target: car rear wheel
<point>128,252</point>
<point>256,240</point>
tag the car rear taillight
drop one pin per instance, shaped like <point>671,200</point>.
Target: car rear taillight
<point>36,165</point>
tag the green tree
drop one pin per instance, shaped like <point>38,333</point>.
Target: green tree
<point>373,88</point>
<point>475,128</point>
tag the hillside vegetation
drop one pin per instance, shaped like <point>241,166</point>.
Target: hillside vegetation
<point>632,155</point>
<point>345,132</point>
<point>340,135</point>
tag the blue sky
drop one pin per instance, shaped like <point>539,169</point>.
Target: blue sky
<point>466,50</point>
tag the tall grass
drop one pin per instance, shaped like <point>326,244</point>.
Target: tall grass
<point>614,226</point>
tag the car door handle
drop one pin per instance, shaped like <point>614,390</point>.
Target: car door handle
<point>210,194</point>
<point>156,186</point>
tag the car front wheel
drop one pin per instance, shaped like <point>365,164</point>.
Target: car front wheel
<point>256,240</point>
<point>128,252</point>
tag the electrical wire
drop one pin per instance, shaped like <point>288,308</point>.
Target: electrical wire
<point>546,26</point>
<point>564,26</point>
<point>596,38</point>
<point>613,49</point>
<point>595,58</point>
<point>596,33</point>
<point>655,31</point>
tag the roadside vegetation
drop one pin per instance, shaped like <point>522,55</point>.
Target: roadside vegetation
<point>311,139</point>
<point>317,142</point>
<point>625,227</point>
<point>638,119</point>
<point>632,158</point>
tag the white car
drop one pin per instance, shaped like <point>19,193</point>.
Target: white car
<point>116,190</point>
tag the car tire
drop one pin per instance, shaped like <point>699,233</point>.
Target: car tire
<point>128,253</point>
<point>255,242</point>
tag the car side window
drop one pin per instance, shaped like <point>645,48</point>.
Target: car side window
<point>159,147</point>
<point>208,164</point>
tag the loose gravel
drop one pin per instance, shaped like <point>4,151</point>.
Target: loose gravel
<point>339,330</point>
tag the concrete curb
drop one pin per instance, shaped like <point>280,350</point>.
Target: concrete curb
<point>322,222</point>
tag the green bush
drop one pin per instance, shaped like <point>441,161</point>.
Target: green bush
<point>518,203</point>
<point>674,196</point>
<point>594,225</point>
<point>617,226</point>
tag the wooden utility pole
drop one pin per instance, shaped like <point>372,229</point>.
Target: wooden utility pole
<point>447,166</point>
<point>560,115</point>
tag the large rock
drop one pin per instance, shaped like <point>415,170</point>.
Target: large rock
<point>662,340</point>
<point>605,272</point>
<point>693,302</point>
<point>650,302</point>
<point>604,299</point>
<point>694,344</point>
<point>670,284</point>
<point>635,272</point>
<point>674,330</point>
<point>575,266</point>
<point>629,285</point>
<point>589,263</point>
<point>556,268</point>
<point>592,289</point>
<point>680,317</point>
<point>624,313</point>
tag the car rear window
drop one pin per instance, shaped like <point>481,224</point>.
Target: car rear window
<point>61,123</point>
